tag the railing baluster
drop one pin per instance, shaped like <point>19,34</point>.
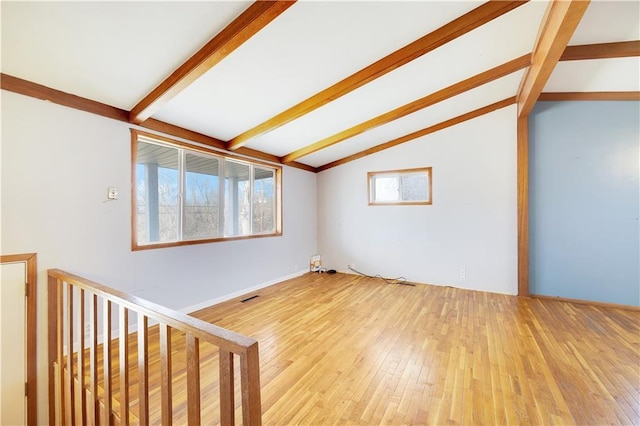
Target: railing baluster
<point>143,370</point>
<point>81,369</point>
<point>227,404</point>
<point>165,374</point>
<point>250,381</point>
<point>71,418</point>
<point>106,360</point>
<point>124,366</point>
<point>53,313</point>
<point>93,359</point>
<point>68,396</point>
<point>193,380</point>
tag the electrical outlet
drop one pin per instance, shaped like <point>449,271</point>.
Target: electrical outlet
<point>351,266</point>
<point>463,275</point>
<point>87,329</point>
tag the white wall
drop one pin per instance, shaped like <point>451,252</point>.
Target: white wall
<point>471,224</point>
<point>56,166</point>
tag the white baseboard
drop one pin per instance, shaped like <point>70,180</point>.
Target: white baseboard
<point>216,300</point>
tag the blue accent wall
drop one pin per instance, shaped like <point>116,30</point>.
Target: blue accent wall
<point>584,200</point>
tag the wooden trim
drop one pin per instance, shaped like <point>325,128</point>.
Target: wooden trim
<point>59,351</point>
<point>218,336</point>
<point>135,246</point>
<point>448,32</point>
<point>217,144</point>
<point>123,354</point>
<point>34,90</point>
<point>561,20</point>
<point>589,96</point>
<point>81,377</point>
<point>434,98</point>
<point>523,205</point>
<point>52,334</point>
<point>621,49</point>
<point>186,145</point>
<point>93,361</point>
<point>166,375</point>
<point>143,370</point>
<point>586,302</point>
<point>257,16</point>
<point>250,383</point>
<point>428,130</point>
<point>210,240</point>
<point>193,379</point>
<point>422,170</point>
<point>170,129</point>
<point>31,270</point>
<point>279,209</point>
<point>69,329</point>
<point>227,395</point>
<point>133,188</point>
<point>38,91</point>
<point>106,358</point>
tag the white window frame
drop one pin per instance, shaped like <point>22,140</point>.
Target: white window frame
<point>398,174</point>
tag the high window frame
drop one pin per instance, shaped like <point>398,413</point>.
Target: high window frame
<point>400,187</point>
<point>235,187</point>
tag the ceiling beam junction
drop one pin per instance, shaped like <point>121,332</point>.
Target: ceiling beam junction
<point>560,22</point>
<point>448,32</point>
<point>245,26</point>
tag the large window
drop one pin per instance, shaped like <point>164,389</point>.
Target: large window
<point>184,194</point>
<point>393,187</point>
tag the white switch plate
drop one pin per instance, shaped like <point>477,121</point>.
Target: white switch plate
<point>112,193</point>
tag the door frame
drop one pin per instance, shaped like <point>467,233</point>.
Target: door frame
<point>30,304</point>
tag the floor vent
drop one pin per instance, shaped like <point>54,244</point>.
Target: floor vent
<point>250,298</point>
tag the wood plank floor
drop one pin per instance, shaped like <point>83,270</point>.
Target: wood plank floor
<point>343,349</point>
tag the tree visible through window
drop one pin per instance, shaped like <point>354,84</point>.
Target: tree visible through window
<point>184,195</point>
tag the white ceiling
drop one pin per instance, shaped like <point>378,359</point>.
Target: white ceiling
<point>117,52</point>
<point>111,52</point>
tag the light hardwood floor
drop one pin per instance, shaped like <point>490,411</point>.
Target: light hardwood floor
<point>342,349</point>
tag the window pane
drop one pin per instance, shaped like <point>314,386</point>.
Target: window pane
<point>157,192</point>
<point>386,188</point>
<point>263,201</point>
<point>201,196</point>
<point>414,187</point>
<point>237,209</point>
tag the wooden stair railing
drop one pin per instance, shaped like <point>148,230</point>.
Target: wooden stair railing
<point>77,396</point>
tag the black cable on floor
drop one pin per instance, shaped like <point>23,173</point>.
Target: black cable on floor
<point>399,280</point>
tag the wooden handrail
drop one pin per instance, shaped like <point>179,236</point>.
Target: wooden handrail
<point>203,330</point>
<point>67,298</point>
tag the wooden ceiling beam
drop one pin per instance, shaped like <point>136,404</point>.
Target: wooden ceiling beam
<point>245,26</point>
<point>560,22</point>
<point>423,132</point>
<point>589,96</point>
<point>38,91</point>
<point>404,110</point>
<point>622,49</point>
<point>454,29</point>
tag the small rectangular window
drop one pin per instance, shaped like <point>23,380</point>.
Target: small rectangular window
<point>184,194</point>
<point>398,187</point>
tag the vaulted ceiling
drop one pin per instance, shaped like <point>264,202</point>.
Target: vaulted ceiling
<point>315,84</point>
